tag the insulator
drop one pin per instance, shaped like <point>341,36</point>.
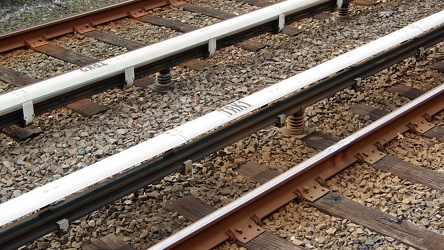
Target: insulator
<point>295,125</point>
<point>163,82</point>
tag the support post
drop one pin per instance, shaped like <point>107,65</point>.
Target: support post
<point>163,81</point>
<point>295,125</point>
<point>343,8</point>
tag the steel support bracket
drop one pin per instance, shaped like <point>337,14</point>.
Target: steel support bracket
<point>312,191</point>
<point>129,76</point>
<point>357,83</point>
<point>421,127</point>
<point>281,120</point>
<point>370,157</point>
<point>63,226</point>
<point>245,234</point>
<point>187,167</point>
<point>212,46</point>
<point>82,29</point>
<point>281,22</point>
<point>137,13</point>
<point>421,52</point>
<point>28,112</point>
<point>427,117</point>
<point>176,2</point>
<point>37,42</point>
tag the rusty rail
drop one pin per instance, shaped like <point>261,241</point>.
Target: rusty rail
<point>241,220</point>
<point>38,35</point>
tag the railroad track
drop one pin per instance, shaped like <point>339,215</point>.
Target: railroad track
<point>241,220</point>
<point>155,58</point>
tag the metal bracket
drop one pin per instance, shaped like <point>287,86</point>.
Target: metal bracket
<point>246,233</point>
<point>82,29</point>
<point>129,76</point>
<point>427,117</point>
<point>28,112</point>
<point>187,167</point>
<point>37,42</point>
<point>312,192</point>
<point>137,13</point>
<point>281,120</point>
<point>63,226</point>
<point>212,46</point>
<point>424,126</point>
<point>379,145</point>
<point>357,84</point>
<point>281,23</point>
<point>256,219</point>
<point>370,157</point>
<point>421,127</point>
<point>176,2</point>
<point>421,52</point>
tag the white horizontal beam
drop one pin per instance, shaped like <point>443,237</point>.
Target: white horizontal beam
<point>67,185</point>
<point>84,76</point>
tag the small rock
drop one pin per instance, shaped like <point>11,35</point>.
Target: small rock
<point>121,131</point>
<point>7,164</point>
<point>425,222</point>
<point>92,223</point>
<point>42,245</point>
<point>154,194</point>
<point>321,226</point>
<point>331,231</point>
<point>55,244</point>
<point>389,239</point>
<point>98,153</point>
<point>296,241</point>
<point>369,242</point>
<point>225,191</point>
<point>81,151</point>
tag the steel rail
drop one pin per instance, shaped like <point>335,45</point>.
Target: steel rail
<point>84,203</point>
<point>98,171</point>
<point>62,90</point>
<point>50,30</point>
<point>279,191</point>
